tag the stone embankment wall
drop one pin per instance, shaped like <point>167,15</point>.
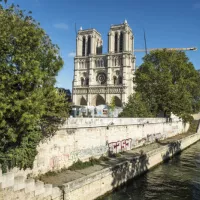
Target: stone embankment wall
<point>196,116</point>
<point>82,138</point>
<point>14,187</point>
<point>90,137</point>
<point>101,182</point>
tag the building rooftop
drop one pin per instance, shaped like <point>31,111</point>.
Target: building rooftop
<point>117,26</point>
<point>88,30</point>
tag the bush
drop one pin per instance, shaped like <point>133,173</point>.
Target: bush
<point>82,165</point>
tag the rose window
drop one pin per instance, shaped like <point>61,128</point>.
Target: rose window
<point>101,78</point>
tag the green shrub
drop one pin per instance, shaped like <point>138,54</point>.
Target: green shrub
<point>82,165</point>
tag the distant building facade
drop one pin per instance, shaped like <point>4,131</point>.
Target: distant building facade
<point>99,77</point>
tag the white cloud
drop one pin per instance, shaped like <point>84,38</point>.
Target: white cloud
<point>196,5</point>
<point>61,26</point>
<point>72,54</point>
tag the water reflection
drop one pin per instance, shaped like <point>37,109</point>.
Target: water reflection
<point>178,179</point>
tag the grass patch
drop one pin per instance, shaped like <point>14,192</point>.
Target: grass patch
<point>104,158</point>
<point>116,155</point>
<point>193,126</point>
<point>51,173</point>
<point>82,165</point>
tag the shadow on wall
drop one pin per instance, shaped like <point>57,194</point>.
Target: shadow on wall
<point>136,166</point>
<point>173,148</point>
<point>140,164</point>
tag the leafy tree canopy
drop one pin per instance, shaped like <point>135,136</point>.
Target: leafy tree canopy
<point>5,1</point>
<point>168,82</point>
<point>66,93</point>
<point>112,104</point>
<point>31,108</point>
<point>136,107</point>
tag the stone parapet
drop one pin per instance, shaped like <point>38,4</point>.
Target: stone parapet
<point>96,122</point>
<point>13,186</point>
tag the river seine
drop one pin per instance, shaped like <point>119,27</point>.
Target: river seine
<point>177,179</point>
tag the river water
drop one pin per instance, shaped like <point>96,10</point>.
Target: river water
<point>177,179</point>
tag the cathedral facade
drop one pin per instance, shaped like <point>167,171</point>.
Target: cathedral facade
<point>100,77</point>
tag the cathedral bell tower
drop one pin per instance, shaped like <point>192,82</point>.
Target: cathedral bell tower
<point>121,59</point>
<point>88,42</point>
<point>120,38</point>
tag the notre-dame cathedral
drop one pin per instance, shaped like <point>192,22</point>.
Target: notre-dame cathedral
<point>100,77</point>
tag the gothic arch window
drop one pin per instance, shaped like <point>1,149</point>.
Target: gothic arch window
<point>119,80</point>
<point>119,61</point>
<point>114,80</point>
<point>115,61</point>
<point>83,64</point>
<point>100,100</point>
<point>116,38</point>
<point>121,42</point>
<point>83,101</point>
<point>87,64</point>
<point>97,49</point>
<point>87,81</point>
<point>89,45</point>
<point>102,63</point>
<point>82,81</point>
<point>118,101</point>
<point>83,47</point>
<point>99,63</point>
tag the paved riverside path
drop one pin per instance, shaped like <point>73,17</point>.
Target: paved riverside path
<point>65,176</point>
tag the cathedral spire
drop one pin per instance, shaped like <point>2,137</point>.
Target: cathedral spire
<point>125,21</point>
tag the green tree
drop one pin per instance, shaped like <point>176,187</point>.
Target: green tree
<point>136,107</point>
<point>66,93</point>
<point>31,108</point>
<point>112,105</point>
<point>5,1</point>
<point>168,81</point>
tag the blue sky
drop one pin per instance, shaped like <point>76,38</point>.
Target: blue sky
<point>168,23</point>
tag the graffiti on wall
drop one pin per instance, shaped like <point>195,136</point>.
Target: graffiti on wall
<point>62,157</point>
<point>65,158</point>
<point>123,145</point>
<point>56,161</point>
<point>149,139</point>
<point>154,137</point>
<point>175,127</point>
<point>128,144</point>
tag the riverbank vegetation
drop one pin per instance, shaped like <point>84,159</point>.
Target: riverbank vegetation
<point>193,126</point>
<point>31,108</point>
<point>166,82</point>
